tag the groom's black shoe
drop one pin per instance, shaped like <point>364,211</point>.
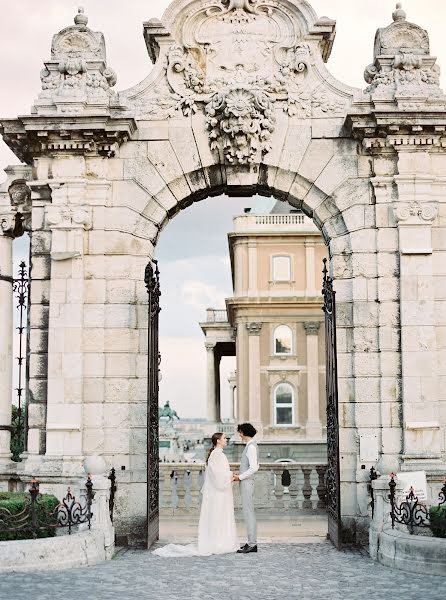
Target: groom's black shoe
<point>247,549</point>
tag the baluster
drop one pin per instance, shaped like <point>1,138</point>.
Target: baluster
<point>181,491</point>
<point>307,488</point>
<point>169,482</point>
<point>286,482</point>
<point>321,489</point>
<point>194,491</point>
<point>278,489</point>
<point>294,490</point>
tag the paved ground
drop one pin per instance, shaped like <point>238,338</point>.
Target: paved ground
<point>301,528</point>
<point>278,572</point>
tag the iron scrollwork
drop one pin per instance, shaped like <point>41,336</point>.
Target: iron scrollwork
<point>332,474</point>
<point>33,518</point>
<point>152,282</point>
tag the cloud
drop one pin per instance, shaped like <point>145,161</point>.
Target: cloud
<point>201,295</point>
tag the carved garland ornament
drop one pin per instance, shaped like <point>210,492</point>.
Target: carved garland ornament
<point>240,58</point>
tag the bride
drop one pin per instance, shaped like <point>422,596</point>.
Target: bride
<point>216,530</point>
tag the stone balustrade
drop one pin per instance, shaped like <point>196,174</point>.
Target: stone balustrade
<point>279,488</point>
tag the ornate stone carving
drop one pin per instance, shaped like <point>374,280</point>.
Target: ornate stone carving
<point>77,74</point>
<point>239,61</point>
<point>240,122</point>
<point>403,69</point>
<point>68,217</point>
<point>312,327</point>
<point>415,212</point>
<point>254,328</point>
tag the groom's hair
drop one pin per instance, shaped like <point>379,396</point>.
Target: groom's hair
<point>247,429</point>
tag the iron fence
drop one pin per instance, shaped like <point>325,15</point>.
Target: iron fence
<point>34,519</point>
<point>412,512</point>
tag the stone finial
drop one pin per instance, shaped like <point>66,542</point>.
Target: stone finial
<point>399,14</point>
<point>81,19</point>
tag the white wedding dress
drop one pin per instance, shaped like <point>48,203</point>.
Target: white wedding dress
<point>217,532</point>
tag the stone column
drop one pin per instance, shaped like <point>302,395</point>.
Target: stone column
<point>211,399</point>
<point>415,210</point>
<point>254,401</point>
<point>314,425</point>
<point>68,217</point>
<point>252,269</point>
<point>232,386</point>
<point>6,338</point>
<point>310,275</point>
<point>15,211</point>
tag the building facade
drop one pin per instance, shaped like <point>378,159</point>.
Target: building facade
<point>221,113</point>
<point>276,311</point>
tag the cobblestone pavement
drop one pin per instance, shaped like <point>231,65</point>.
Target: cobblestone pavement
<point>277,572</point>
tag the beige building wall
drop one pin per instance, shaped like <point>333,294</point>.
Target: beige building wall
<point>260,304</point>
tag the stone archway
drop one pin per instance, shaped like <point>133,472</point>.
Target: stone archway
<point>108,170</point>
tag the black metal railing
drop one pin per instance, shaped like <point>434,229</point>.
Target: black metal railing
<point>373,477</point>
<point>113,488</point>
<point>411,512</point>
<point>34,519</point>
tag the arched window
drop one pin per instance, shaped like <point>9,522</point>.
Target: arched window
<point>281,268</point>
<point>284,404</point>
<point>283,340</point>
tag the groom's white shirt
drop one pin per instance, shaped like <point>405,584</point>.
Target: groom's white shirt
<point>251,453</point>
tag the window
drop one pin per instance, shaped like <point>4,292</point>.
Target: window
<point>283,340</point>
<point>284,404</point>
<point>281,268</point>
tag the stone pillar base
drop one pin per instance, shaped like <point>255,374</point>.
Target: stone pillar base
<point>314,431</point>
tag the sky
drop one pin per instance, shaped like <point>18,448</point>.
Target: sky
<point>192,250</point>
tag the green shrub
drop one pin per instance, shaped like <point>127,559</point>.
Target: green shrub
<point>438,520</point>
<point>15,503</point>
<point>17,434</point>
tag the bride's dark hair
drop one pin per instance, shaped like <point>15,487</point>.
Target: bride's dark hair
<point>215,438</point>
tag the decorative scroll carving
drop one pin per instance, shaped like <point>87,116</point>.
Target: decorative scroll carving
<point>403,68</point>
<point>68,217</point>
<point>415,212</point>
<point>239,61</point>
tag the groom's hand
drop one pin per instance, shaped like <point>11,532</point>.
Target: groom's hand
<point>235,477</point>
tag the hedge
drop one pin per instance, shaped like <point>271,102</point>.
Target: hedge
<point>438,520</point>
<point>14,502</point>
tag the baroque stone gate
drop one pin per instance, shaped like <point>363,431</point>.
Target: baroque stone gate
<point>239,101</point>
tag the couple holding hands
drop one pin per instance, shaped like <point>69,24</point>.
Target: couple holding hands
<point>217,532</point>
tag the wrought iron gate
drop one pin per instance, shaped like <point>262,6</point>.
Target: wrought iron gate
<point>332,476</point>
<point>153,288</point>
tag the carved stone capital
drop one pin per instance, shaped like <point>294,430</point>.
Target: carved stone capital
<point>415,213</point>
<point>8,223</point>
<point>312,327</point>
<point>68,217</point>
<point>210,346</point>
<point>254,328</point>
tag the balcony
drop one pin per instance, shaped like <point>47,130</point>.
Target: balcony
<point>274,222</point>
<point>214,315</point>
<point>280,488</point>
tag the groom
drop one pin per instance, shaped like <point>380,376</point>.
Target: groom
<point>249,465</point>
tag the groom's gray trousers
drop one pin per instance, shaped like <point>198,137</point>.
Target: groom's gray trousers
<point>247,495</point>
